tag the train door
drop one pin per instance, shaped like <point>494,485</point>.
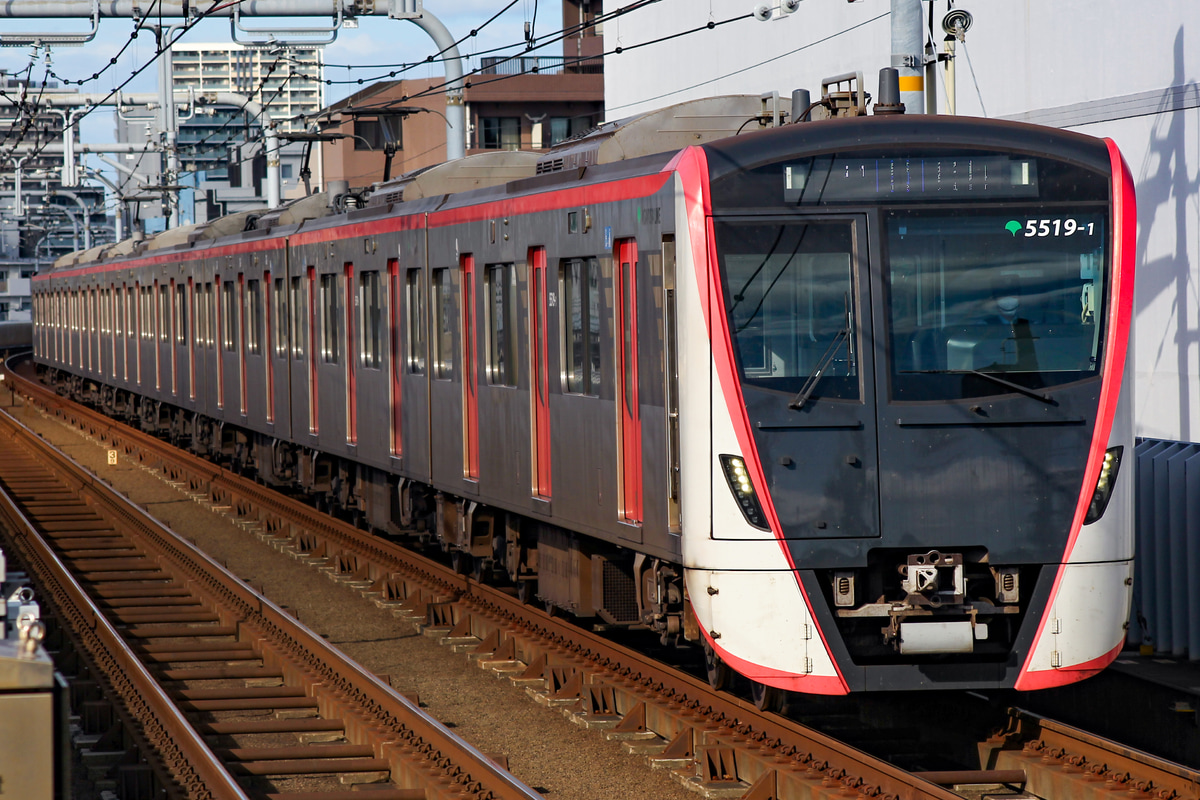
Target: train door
<point>470,362</point>
<point>413,338</point>
<point>539,372</point>
<point>797,294</point>
<point>629,420</point>
<point>279,377</point>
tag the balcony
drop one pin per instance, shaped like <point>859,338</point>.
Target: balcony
<point>538,65</point>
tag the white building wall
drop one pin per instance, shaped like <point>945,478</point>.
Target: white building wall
<point>1103,67</point>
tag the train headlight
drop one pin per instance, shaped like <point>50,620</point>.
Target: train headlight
<point>743,491</point>
<point>1104,484</point>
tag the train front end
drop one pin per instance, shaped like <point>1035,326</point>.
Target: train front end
<point>914,335</point>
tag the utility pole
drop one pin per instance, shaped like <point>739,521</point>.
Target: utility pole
<point>908,53</point>
<point>168,124</point>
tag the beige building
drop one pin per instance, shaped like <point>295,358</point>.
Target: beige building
<point>289,81</point>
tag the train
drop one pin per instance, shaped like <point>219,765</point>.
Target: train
<point>839,397</point>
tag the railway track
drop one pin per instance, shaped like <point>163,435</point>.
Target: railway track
<point>715,743</point>
<point>228,696</point>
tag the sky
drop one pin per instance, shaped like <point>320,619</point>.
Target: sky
<point>356,53</point>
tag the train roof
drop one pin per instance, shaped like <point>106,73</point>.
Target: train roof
<point>884,132</point>
<point>718,123</point>
<point>664,130</point>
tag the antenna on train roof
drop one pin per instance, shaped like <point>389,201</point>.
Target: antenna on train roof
<point>889,92</point>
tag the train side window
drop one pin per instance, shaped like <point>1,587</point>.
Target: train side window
<point>198,310</point>
<point>205,317</point>
<point>181,313</point>
<point>164,313</point>
<point>254,317</point>
<point>130,312</point>
<point>370,320</point>
<point>443,331</point>
<point>299,326</point>
<point>147,317</point>
<point>415,298</point>
<point>228,318</point>
<point>502,324</point>
<point>579,288</point>
<point>280,320</point>
<point>330,316</point>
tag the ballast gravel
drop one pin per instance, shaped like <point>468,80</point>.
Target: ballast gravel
<point>543,748</point>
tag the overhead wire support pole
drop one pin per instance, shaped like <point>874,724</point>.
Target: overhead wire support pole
<point>908,53</point>
<point>269,127</point>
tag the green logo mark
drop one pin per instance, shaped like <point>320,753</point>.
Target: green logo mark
<point>1013,226</point>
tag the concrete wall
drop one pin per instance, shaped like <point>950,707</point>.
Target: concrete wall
<point>1103,67</point>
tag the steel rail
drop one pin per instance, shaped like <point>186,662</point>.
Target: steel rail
<point>1062,761</point>
<point>416,748</point>
<point>730,743</point>
<point>717,743</point>
<point>183,757</point>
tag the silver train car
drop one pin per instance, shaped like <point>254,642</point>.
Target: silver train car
<point>843,401</point>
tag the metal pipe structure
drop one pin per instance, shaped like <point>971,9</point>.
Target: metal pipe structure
<point>411,10</point>
<point>268,125</point>
<point>74,223</point>
<point>908,53</point>
<point>87,213</point>
<point>18,208</point>
<point>119,208</point>
<point>456,115</point>
<point>168,123</point>
<point>117,9</point>
<point>951,85</point>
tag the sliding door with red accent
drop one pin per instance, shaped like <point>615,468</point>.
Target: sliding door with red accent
<point>395,297</point>
<point>629,420</point>
<point>351,356</point>
<point>539,372</point>
<point>470,370</point>
<point>240,343</point>
<point>271,346</point>
<point>313,416</point>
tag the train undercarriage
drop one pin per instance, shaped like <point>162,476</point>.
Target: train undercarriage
<point>567,572</point>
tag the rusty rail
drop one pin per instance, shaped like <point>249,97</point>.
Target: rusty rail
<point>1066,763</point>
<point>158,617</point>
<point>714,743</point>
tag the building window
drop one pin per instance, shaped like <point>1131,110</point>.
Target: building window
<point>443,332</point>
<point>580,324</point>
<point>415,295</point>
<point>331,311</point>
<point>502,324</point>
<point>370,320</point>
<point>500,133</point>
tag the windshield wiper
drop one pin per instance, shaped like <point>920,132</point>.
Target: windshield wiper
<point>806,391</point>
<point>1016,387</point>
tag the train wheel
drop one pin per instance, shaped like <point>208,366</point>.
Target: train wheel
<point>526,591</point>
<point>718,671</point>
<point>766,698</point>
<point>461,562</point>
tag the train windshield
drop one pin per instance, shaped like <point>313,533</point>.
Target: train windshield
<point>790,297</point>
<point>978,300</point>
